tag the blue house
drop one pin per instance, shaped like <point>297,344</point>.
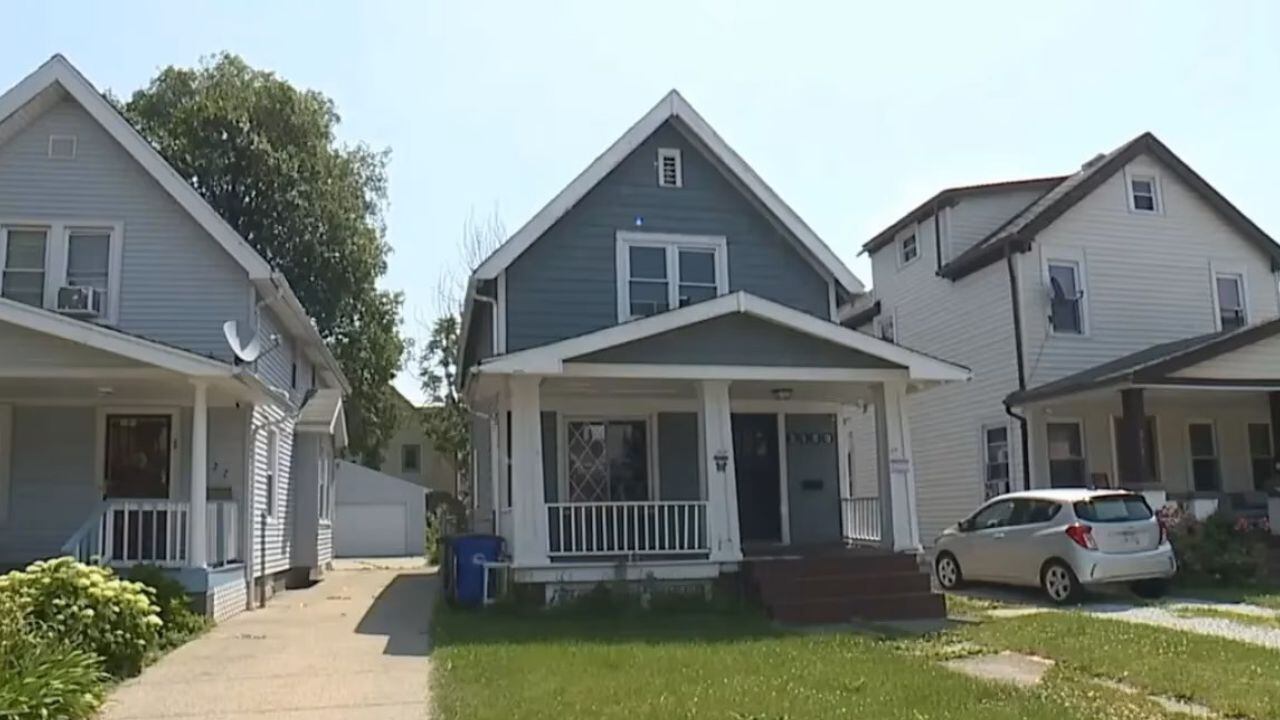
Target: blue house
<point>663,390</point>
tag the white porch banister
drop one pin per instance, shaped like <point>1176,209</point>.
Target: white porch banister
<point>155,532</point>
<point>628,528</point>
<point>528,499</point>
<point>860,518</point>
<point>721,475</point>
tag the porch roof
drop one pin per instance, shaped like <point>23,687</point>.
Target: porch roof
<point>322,412</point>
<point>821,345</point>
<point>1245,358</point>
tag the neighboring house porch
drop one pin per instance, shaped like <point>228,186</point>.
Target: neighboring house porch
<point>1193,421</point>
<point>678,445</point>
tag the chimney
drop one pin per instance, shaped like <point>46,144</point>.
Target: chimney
<point>1093,162</point>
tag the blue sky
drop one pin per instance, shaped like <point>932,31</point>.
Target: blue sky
<point>853,112</point>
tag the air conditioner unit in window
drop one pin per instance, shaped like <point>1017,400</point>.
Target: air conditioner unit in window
<point>81,301</point>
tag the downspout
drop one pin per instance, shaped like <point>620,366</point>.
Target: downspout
<point>937,235</point>
<point>1019,352</point>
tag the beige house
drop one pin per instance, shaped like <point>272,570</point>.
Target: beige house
<point>409,456</point>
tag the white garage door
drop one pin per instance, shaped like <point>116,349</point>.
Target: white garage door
<point>370,531</point>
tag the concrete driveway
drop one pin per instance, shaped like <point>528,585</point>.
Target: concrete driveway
<point>353,646</point>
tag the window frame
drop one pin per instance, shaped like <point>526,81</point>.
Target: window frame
<point>675,154</point>
<point>1223,270</point>
<point>324,512</point>
<point>1157,199</point>
<point>1270,456</point>
<point>1076,262</point>
<point>1084,449</point>
<point>8,227</point>
<point>1192,457</point>
<point>914,236</point>
<point>57,247</point>
<point>984,446</point>
<point>1157,446</point>
<point>417,470</point>
<point>671,244</point>
<point>650,420</point>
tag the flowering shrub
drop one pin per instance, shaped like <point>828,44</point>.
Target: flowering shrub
<point>40,676</point>
<point>89,609</point>
<point>181,623</point>
<point>1219,548</point>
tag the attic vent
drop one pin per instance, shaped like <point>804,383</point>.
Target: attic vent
<point>1094,161</point>
<point>670,174</point>
<point>62,147</point>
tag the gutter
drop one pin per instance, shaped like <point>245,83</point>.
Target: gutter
<point>1020,356</point>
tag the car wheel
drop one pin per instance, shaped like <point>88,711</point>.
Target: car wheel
<point>947,569</point>
<point>1059,582</point>
<point>1150,589</point>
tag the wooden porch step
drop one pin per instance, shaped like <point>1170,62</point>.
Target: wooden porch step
<point>910,606</point>
<point>834,565</point>
<point>842,586</point>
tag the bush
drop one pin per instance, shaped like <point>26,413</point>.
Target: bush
<point>1219,548</point>
<point>446,518</point>
<point>42,676</point>
<point>89,609</point>
<point>181,623</point>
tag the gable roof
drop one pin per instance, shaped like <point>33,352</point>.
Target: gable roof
<point>671,106</point>
<point>58,73</point>
<point>1017,233</point>
<point>1150,365</point>
<point>550,358</point>
<point>951,196</point>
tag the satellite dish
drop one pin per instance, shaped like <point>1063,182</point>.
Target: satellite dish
<point>244,353</point>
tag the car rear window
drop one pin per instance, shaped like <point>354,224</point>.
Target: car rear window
<point>1116,508</point>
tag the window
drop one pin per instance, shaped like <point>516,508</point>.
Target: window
<point>1066,454</point>
<point>273,471</point>
<point>1066,298</point>
<point>1229,289</point>
<point>1203,444</point>
<point>1150,437</point>
<point>908,249</point>
<point>888,328</point>
<point>606,460</point>
<point>411,458</point>
<point>1113,508</point>
<point>23,253</point>
<point>325,489</point>
<point>661,272</point>
<point>1261,456</point>
<point>995,515</point>
<point>1034,512</point>
<point>89,258</point>
<point>995,461</point>
<point>1143,194</point>
<point>670,170</point>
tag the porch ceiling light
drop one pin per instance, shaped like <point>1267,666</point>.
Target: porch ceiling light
<point>105,390</point>
<point>781,393</point>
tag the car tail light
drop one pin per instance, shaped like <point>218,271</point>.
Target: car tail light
<point>1082,535</point>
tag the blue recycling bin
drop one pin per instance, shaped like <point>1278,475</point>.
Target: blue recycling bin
<point>470,552</point>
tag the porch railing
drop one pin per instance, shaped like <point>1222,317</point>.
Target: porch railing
<point>154,532</point>
<point>861,518</point>
<point>627,528</point>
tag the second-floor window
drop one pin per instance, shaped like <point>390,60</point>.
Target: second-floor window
<point>410,458</point>
<point>660,272</point>
<point>22,259</point>
<point>1066,298</point>
<point>908,249</point>
<point>1230,294</point>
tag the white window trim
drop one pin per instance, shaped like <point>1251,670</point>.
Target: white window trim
<point>1217,453</point>
<point>273,473</point>
<point>1129,176</point>
<point>663,154</point>
<point>6,456</point>
<point>1065,256</point>
<point>175,442</point>
<point>1227,269</point>
<point>325,510</point>
<point>982,452</point>
<point>1084,445</point>
<point>671,243</point>
<point>900,244</point>
<point>1115,449</point>
<point>650,421</point>
<point>55,260</point>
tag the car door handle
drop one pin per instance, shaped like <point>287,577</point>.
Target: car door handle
<point>998,536</point>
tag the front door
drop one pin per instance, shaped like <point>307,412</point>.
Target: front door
<point>137,456</point>
<point>755,457</point>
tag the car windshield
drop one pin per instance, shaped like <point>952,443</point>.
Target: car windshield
<point>1113,508</point>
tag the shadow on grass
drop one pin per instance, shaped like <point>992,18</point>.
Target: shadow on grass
<point>402,612</point>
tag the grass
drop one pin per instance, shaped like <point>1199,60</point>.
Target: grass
<point>734,666</point>
<point>1244,618</point>
<point>1233,678</point>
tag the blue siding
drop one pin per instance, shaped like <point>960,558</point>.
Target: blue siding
<point>565,283</point>
<point>678,457</point>
<point>178,285</point>
<point>813,478</point>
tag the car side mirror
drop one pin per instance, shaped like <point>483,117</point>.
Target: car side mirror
<point>966,525</point>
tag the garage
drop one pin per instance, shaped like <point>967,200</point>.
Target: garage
<point>377,515</point>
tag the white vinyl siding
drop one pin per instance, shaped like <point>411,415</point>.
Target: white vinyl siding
<point>975,217</point>
<point>1148,278</point>
<point>278,529</point>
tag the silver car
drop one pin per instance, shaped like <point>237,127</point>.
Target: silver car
<point>1062,540</point>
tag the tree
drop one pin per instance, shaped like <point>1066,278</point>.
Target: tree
<point>265,156</point>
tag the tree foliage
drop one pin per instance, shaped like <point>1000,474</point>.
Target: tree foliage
<point>265,155</point>
<point>446,419</point>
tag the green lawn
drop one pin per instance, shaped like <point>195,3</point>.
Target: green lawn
<point>1233,678</point>
<point>733,666</point>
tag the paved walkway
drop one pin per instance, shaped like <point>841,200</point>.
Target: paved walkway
<point>354,646</point>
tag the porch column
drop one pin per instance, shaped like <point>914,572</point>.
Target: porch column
<point>198,541</point>
<point>895,447</point>
<point>722,479</point>
<point>528,498</point>
<point>1131,445</point>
